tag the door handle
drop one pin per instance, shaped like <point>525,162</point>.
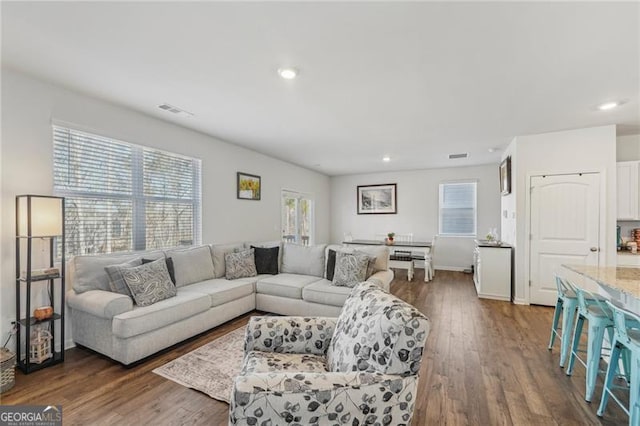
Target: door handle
<point>594,249</point>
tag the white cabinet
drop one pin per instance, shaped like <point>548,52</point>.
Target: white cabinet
<point>627,191</point>
<point>628,259</point>
<point>492,272</point>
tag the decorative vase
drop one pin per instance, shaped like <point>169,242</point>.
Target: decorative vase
<point>389,241</point>
<point>43,312</point>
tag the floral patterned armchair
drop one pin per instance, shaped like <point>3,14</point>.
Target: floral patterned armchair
<point>360,368</point>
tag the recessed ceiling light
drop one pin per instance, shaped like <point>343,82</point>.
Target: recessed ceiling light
<point>175,110</point>
<point>386,158</point>
<point>288,73</point>
<point>608,105</point>
<point>492,149</point>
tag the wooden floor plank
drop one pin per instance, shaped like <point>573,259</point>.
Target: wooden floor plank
<point>486,363</point>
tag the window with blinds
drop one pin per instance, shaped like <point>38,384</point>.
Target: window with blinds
<point>458,208</point>
<point>121,196</point>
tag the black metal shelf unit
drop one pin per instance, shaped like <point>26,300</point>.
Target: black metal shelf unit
<point>24,284</point>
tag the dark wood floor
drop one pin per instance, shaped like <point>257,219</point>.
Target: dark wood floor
<point>486,364</point>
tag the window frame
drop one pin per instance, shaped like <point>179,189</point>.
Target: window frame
<point>312,219</point>
<point>137,195</point>
<point>475,208</point>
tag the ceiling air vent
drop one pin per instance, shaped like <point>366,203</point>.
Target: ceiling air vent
<point>175,110</point>
<point>454,156</point>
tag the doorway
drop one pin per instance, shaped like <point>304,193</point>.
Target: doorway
<point>564,229</point>
<point>297,217</point>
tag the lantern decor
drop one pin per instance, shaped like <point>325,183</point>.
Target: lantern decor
<point>40,345</point>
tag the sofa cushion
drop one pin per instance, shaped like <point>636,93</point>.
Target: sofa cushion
<point>142,319</point>
<point>218,252</point>
<point>191,265</point>
<point>285,285</point>
<point>325,293</point>
<point>240,265</point>
<point>266,362</point>
<point>116,280</point>
<point>221,290</point>
<point>304,260</point>
<point>149,283</point>
<point>88,270</point>
<point>377,332</point>
<point>351,268</point>
<point>266,259</point>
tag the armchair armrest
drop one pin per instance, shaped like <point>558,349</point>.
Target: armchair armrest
<point>289,334</point>
<point>100,303</point>
<point>323,398</point>
<point>382,278</point>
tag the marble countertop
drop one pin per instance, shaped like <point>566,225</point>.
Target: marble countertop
<point>624,279</point>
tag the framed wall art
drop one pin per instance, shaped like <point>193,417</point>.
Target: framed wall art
<point>378,199</point>
<point>505,176</point>
<point>249,186</point>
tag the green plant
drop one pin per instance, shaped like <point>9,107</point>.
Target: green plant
<point>391,234</point>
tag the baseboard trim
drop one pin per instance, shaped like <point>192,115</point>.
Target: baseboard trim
<point>520,302</point>
<point>450,268</point>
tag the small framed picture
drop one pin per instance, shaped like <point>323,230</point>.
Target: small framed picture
<point>505,176</point>
<point>377,199</point>
<point>249,186</point>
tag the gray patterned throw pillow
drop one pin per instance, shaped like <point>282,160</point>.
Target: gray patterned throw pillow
<point>149,283</point>
<point>240,265</point>
<point>351,268</point>
<point>116,280</point>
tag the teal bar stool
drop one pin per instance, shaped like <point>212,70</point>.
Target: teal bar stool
<point>567,305</point>
<point>626,339</point>
<point>594,310</point>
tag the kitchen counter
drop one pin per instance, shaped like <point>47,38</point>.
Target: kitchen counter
<point>624,280</point>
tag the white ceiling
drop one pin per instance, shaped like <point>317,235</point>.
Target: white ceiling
<point>416,81</point>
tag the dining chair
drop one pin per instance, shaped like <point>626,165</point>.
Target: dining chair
<point>403,238</point>
<point>429,270</point>
<point>567,305</point>
<point>594,310</point>
<point>626,341</point>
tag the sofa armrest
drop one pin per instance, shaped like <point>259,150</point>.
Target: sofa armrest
<point>100,303</point>
<point>382,278</point>
<point>323,398</point>
<point>289,334</point>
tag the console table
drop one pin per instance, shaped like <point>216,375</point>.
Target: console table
<point>418,249</point>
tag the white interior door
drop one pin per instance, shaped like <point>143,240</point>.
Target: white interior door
<point>565,222</point>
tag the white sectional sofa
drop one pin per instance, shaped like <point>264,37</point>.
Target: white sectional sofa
<point>111,324</point>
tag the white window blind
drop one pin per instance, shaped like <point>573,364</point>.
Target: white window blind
<point>121,196</point>
<point>457,208</point>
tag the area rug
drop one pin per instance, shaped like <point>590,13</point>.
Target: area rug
<point>211,368</point>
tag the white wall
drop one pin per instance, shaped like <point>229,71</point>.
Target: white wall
<point>628,148</point>
<point>29,106</point>
<point>417,209</point>
<point>592,149</point>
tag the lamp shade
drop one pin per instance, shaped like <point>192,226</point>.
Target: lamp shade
<point>45,215</point>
